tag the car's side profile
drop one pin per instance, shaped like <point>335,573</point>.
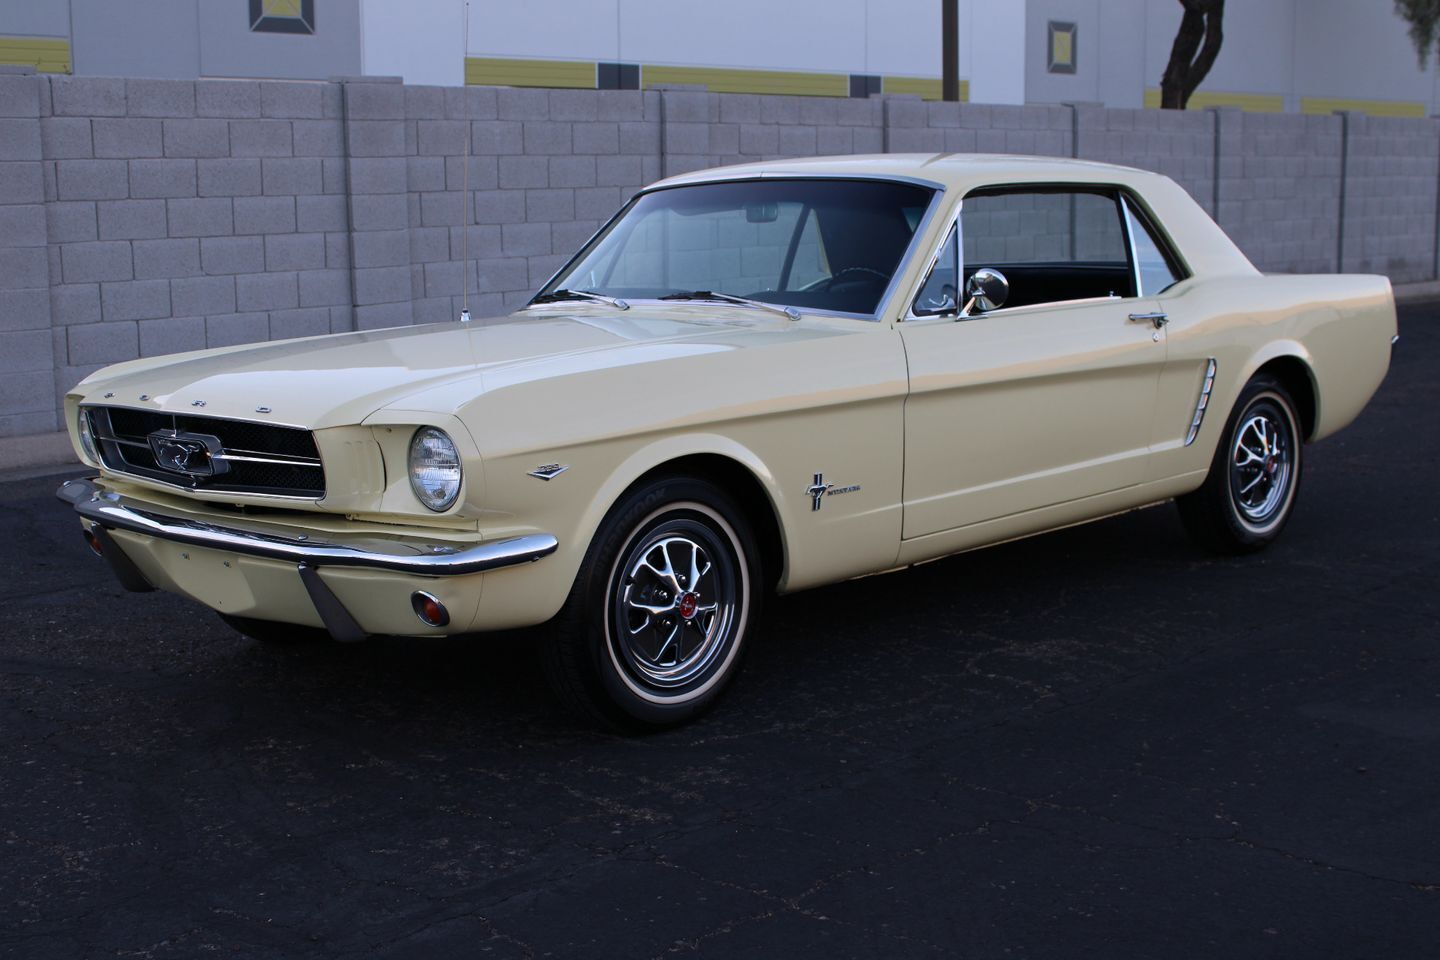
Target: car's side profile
<point>753,379</point>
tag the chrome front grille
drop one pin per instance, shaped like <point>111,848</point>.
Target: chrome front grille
<point>209,453</point>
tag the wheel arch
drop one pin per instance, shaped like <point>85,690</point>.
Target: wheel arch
<point>729,465</point>
<point>1289,362</point>
<point>1298,379</point>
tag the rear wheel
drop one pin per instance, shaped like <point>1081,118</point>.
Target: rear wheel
<point>656,623</point>
<point>1254,477</point>
<point>272,631</point>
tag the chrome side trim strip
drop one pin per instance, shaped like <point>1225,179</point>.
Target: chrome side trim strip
<point>408,556</point>
<point>1203,403</point>
<point>279,459</point>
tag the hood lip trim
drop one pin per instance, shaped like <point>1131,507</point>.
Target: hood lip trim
<point>87,402</point>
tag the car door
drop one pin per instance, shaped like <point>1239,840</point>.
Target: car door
<point>1048,397</point>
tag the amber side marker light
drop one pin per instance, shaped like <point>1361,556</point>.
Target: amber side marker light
<point>431,611</point>
<point>94,543</point>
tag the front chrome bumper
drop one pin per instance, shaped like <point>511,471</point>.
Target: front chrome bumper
<point>107,511</point>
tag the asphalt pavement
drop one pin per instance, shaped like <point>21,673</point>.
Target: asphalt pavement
<point>1097,743</point>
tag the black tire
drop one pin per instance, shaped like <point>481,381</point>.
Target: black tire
<point>1254,477</point>
<point>606,658</point>
<point>272,631</point>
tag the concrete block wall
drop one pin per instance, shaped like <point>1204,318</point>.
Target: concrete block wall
<point>185,215</point>
<point>27,361</point>
<point>145,217</point>
<point>1390,197</point>
<point>1181,145</point>
<point>1279,188</point>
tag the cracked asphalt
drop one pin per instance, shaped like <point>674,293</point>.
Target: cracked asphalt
<point>1101,742</point>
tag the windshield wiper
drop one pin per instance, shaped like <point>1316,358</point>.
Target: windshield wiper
<point>555,295</point>
<point>790,312</point>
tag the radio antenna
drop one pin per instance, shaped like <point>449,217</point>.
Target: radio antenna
<point>465,182</point>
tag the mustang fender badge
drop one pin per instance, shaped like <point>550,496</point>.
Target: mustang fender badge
<point>549,471</point>
<point>819,490</point>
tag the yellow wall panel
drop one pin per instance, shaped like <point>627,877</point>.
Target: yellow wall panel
<point>1249,102</point>
<point>928,88</point>
<point>45,55</point>
<point>505,72</point>
<point>719,80</point>
<point>1376,108</point>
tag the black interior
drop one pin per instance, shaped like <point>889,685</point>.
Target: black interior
<point>1032,283</point>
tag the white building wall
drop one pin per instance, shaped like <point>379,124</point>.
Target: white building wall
<point>879,37</point>
<point>763,34</point>
<point>1350,49</point>
<point>994,35</point>
<point>422,41</point>
<point>550,29</point>
<point>1288,55</point>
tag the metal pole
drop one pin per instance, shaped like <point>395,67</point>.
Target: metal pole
<point>949,52</point>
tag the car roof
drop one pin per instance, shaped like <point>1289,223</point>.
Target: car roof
<point>948,170</point>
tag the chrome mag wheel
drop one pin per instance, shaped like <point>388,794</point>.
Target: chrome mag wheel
<point>662,608</point>
<point>674,605</point>
<point>1254,477</point>
<point>1262,463</point>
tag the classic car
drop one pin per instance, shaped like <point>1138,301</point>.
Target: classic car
<point>752,380</point>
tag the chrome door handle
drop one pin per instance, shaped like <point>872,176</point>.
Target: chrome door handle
<point>1158,319</point>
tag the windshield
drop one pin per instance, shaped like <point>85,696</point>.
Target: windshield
<point>818,244</point>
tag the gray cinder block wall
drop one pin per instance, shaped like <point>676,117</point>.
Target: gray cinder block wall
<point>144,217</point>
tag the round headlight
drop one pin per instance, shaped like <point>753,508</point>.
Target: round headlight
<point>87,438</point>
<point>434,468</point>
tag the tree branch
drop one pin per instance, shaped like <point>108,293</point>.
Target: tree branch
<point>1190,62</point>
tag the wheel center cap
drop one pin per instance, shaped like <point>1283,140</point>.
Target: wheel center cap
<point>688,604</point>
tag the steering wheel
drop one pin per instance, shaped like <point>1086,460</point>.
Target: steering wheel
<point>843,271</point>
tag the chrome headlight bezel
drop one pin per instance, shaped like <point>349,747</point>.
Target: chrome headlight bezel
<point>436,471</point>
<point>87,435</point>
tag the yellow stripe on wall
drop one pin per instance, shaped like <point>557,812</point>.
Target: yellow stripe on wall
<point>1249,102</point>
<point>928,88</point>
<point>45,55</point>
<point>1375,108</point>
<point>720,80</point>
<point>505,72</point>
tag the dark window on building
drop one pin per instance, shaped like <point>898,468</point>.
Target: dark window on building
<point>864,85</point>
<point>617,76</point>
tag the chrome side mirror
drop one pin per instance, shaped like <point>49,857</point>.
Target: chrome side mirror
<point>986,290</point>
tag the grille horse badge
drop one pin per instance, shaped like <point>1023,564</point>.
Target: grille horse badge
<point>191,454</point>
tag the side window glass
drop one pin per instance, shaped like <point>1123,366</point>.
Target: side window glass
<point>1051,245</point>
<point>941,291</point>
<point>1156,276</point>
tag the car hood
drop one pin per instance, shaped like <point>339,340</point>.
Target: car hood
<point>341,379</point>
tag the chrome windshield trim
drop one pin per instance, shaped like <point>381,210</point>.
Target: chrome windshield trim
<point>785,175</point>
<point>407,555</point>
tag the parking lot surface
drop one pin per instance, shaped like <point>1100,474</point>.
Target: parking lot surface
<point>1097,743</point>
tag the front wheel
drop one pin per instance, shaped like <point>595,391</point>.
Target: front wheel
<point>1255,474</point>
<point>658,618</point>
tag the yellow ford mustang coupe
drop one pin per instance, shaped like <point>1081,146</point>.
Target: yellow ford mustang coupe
<point>763,377</point>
